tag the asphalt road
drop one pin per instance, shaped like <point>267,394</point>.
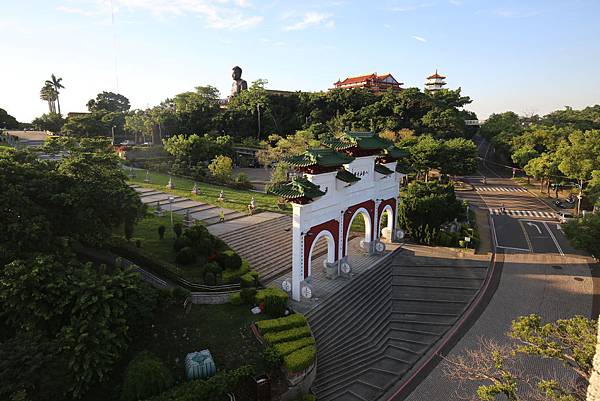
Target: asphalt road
<point>521,222</point>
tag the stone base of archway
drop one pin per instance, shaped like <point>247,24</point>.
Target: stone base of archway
<point>323,287</point>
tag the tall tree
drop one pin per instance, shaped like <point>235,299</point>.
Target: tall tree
<point>7,121</point>
<point>57,85</point>
<point>48,94</point>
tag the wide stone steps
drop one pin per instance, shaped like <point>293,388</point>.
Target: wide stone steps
<point>379,326</point>
<point>268,247</point>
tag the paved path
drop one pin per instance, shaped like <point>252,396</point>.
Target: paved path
<point>206,213</point>
<point>529,284</point>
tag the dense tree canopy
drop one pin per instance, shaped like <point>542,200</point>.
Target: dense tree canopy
<point>45,202</point>
<point>7,121</point>
<point>52,122</point>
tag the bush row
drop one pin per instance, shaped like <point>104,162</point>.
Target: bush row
<point>300,359</point>
<point>287,335</point>
<point>283,323</point>
<point>285,349</point>
<point>213,389</point>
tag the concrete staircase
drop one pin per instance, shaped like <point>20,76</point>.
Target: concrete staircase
<point>375,329</point>
<point>268,247</point>
<point>206,213</point>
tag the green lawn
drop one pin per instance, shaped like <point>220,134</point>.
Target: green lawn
<point>235,199</point>
<point>222,329</point>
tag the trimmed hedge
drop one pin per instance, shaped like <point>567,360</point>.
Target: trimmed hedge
<point>262,295</point>
<point>249,279</point>
<point>287,348</point>
<point>229,276</point>
<point>213,389</point>
<point>283,323</point>
<point>301,359</point>
<point>287,335</point>
<point>235,298</point>
<point>229,260</point>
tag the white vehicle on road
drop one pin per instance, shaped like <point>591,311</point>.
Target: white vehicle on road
<point>563,217</point>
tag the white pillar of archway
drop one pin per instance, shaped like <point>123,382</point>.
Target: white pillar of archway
<point>297,254</point>
<point>330,249</point>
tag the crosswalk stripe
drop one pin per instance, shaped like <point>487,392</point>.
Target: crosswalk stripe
<point>522,213</point>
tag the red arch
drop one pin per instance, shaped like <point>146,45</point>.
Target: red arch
<point>370,206</point>
<point>333,227</point>
<point>392,202</point>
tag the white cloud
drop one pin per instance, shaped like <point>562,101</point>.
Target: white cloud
<point>410,7</point>
<point>218,14</point>
<point>312,19</point>
<point>419,38</point>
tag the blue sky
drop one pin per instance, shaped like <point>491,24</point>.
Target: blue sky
<point>526,56</point>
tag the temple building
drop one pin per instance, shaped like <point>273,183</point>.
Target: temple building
<point>435,82</point>
<point>373,82</point>
<point>355,174</point>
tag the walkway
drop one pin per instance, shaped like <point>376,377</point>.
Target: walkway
<point>206,213</point>
<point>551,286</point>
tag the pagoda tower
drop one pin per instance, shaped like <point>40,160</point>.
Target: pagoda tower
<point>435,82</point>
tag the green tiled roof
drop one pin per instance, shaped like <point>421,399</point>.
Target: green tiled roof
<point>322,157</point>
<point>381,169</point>
<point>397,153</point>
<point>299,187</point>
<point>363,140</point>
<point>346,176</point>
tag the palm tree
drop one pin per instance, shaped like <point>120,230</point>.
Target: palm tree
<point>48,93</point>
<point>55,82</point>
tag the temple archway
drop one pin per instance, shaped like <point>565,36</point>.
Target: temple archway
<point>367,227</point>
<point>386,223</point>
<point>331,248</point>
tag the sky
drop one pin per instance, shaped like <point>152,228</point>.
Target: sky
<point>527,56</point>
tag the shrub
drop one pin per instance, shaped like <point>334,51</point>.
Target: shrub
<point>229,260</point>
<point>275,305</point>
<point>241,181</point>
<point>272,358</point>
<point>235,299</point>
<point>301,359</point>
<point>221,168</point>
<point>287,348</point>
<point>249,279</point>
<point>196,232</point>
<point>161,231</point>
<point>181,243</point>
<point>283,323</point>
<point>203,246</point>
<point>145,376</point>
<point>248,295</point>
<point>287,335</point>
<point>261,296</point>
<point>213,268</point>
<point>185,256</point>
<point>229,276</point>
<point>210,278</point>
<point>128,229</point>
<point>177,229</point>
<point>213,389</point>
<point>220,245</point>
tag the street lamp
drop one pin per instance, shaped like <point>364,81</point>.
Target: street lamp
<point>171,199</point>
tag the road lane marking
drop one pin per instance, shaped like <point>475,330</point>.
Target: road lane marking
<point>530,224</point>
<point>513,248</point>
<point>526,235</point>
<point>494,238</point>
<point>554,239</point>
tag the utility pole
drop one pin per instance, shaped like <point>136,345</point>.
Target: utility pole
<point>258,110</point>
<point>579,197</point>
<point>113,134</point>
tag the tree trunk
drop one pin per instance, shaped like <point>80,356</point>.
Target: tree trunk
<point>58,102</point>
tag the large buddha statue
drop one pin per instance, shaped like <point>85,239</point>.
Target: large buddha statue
<point>238,84</point>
